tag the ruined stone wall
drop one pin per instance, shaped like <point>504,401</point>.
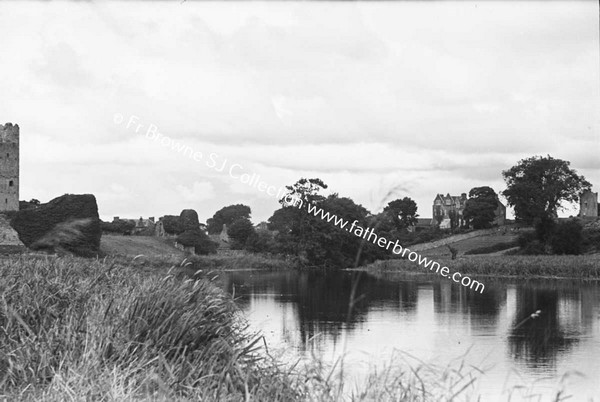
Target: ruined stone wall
<point>9,167</point>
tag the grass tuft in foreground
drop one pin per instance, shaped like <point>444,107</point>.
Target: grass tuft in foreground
<point>82,329</point>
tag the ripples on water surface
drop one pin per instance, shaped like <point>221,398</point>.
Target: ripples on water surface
<point>435,321</point>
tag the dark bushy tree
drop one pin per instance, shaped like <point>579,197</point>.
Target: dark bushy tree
<point>537,186</point>
<point>70,211</point>
<point>261,241</point>
<point>226,216</point>
<point>544,229</point>
<point>239,232</point>
<point>480,209</point>
<point>199,240</point>
<point>403,212</point>
<point>172,224</point>
<point>189,219</point>
<point>315,240</point>
<point>119,226</point>
<point>567,238</point>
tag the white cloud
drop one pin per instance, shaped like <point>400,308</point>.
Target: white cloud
<point>199,191</point>
<point>436,97</point>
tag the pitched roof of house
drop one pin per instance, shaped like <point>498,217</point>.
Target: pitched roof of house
<point>454,199</point>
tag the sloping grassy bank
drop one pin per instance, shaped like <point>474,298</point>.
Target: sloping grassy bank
<point>540,266</point>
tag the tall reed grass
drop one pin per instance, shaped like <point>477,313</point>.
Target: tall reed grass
<point>75,329</point>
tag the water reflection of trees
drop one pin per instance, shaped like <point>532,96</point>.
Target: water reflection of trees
<point>322,299</point>
<point>539,341</point>
<point>483,307</point>
<point>320,302</point>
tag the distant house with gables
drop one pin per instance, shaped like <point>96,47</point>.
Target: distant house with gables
<point>445,207</point>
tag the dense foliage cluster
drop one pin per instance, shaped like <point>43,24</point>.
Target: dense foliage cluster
<point>226,216</point>
<point>172,224</point>
<point>480,210</point>
<point>191,234</point>
<point>118,226</point>
<point>563,237</point>
<point>69,223</point>
<point>199,240</point>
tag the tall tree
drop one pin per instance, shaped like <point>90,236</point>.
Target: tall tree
<point>311,237</point>
<point>306,190</point>
<point>226,216</point>
<point>239,232</point>
<point>480,210</point>
<point>537,187</point>
<point>403,212</point>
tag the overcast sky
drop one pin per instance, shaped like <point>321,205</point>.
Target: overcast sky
<point>423,98</point>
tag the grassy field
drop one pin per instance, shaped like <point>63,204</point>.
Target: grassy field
<point>539,266</point>
<point>131,246</point>
<point>156,251</point>
<point>474,243</point>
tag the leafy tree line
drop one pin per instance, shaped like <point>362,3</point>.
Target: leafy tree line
<point>314,241</point>
<point>536,189</point>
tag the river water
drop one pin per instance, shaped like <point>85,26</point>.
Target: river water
<point>305,314</point>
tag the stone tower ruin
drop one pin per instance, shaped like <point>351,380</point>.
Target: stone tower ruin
<point>9,167</point>
<point>588,205</point>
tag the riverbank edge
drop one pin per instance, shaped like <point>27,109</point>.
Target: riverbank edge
<point>139,341</point>
<point>580,267</point>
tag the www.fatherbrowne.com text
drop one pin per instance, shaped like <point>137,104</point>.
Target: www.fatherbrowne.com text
<point>236,171</point>
<point>369,234</point>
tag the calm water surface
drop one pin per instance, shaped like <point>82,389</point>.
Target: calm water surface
<point>301,313</point>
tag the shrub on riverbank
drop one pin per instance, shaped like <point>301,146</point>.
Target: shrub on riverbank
<point>563,237</point>
<point>580,267</point>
